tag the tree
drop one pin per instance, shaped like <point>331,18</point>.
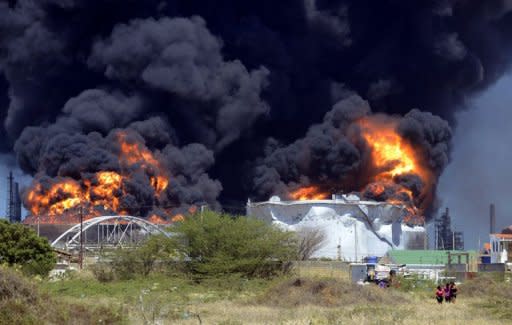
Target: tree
<point>20,245</point>
<point>310,241</point>
<point>215,243</point>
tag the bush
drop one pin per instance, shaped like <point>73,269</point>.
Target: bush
<point>20,245</point>
<point>128,264</point>
<point>102,272</point>
<point>310,240</point>
<point>22,303</point>
<point>216,244</point>
<point>14,287</point>
<point>414,284</point>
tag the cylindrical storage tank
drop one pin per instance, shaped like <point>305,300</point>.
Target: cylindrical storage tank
<point>372,259</point>
<point>486,259</point>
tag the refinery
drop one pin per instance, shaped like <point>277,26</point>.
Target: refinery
<point>255,162</point>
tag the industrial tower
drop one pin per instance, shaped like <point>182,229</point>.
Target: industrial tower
<point>13,200</point>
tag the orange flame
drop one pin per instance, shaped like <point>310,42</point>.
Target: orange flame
<point>390,152</point>
<point>101,191</point>
<point>60,197</point>
<point>156,219</point>
<point>178,218</point>
<point>137,154</point>
<point>393,156</point>
<point>308,193</point>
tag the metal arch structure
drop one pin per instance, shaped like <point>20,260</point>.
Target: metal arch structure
<point>111,231</point>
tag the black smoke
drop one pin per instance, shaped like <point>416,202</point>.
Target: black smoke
<point>227,76</point>
<point>334,156</point>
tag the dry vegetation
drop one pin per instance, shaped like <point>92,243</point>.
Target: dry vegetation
<point>329,301</point>
<point>21,302</point>
<point>314,296</point>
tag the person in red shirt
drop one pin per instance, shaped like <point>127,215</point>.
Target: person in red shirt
<point>439,294</point>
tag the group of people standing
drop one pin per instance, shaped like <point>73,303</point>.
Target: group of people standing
<point>448,293</point>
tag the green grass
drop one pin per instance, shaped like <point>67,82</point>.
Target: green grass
<point>179,290</point>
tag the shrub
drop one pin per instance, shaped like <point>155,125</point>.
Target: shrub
<point>414,284</point>
<point>102,272</point>
<point>128,264</point>
<point>22,303</point>
<point>216,244</point>
<point>310,240</point>
<point>20,245</point>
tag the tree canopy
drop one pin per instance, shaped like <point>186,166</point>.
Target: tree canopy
<point>21,246</point>
<point>215,243</point>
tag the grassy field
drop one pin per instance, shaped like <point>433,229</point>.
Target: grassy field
<point>312,295</point>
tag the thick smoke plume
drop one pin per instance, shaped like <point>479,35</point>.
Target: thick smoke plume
<point>336,156</point>
<point>256,96</point>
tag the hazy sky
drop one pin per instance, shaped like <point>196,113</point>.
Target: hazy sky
<point>480,171</point>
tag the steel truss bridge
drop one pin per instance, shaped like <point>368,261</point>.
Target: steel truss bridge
<point>107,232</point>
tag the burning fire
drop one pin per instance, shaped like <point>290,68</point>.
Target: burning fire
<point>140,156</point>
<point>99,192</point>
<point>393,156</point>
<point>178,218</point>
<point>156,219</point>
<point>308,193</point>
<point>59,197</point>
<point>393,166</point>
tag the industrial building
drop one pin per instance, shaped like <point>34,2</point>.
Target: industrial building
<point>445,237</point>
<point>354,228</point>
<point>500,248</point>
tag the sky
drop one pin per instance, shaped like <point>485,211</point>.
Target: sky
<point>480,169</point>
<point>7,164</point>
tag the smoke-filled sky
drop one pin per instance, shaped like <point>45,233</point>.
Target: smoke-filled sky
<point>225,92</point>
<point>480,171</point>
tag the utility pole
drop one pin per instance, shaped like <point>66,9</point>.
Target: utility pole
<point>81,237</point>
<point>355,239</point>
<point>436,235</point>
<point>453,239</point>
<point>425,239</point>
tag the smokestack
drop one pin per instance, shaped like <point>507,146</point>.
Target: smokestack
<point>492,219</point>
